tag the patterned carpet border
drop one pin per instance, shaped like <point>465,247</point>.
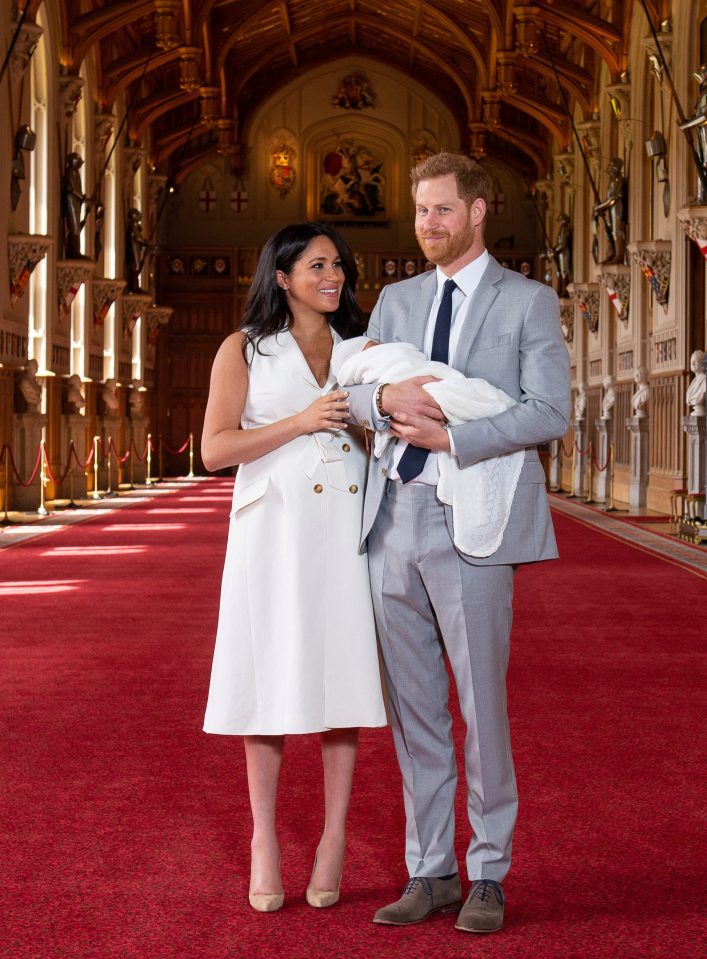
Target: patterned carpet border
<point>691,558</point>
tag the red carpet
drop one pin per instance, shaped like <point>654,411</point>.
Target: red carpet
<point>125,829</point>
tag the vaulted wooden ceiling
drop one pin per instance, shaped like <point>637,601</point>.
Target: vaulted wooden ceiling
<point>195,71</point>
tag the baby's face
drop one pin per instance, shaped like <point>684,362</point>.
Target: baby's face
<point>370,344</point>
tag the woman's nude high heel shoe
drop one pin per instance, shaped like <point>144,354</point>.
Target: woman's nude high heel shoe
<point>266,902</point>
<point>321,898</point>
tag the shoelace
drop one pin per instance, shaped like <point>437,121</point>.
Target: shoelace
<point>411,885</point>
<point>483,889</point>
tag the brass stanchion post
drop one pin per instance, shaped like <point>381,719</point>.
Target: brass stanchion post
<point>6,521</point>
<point>148,477</point>
<point>43,480</point>
<point>590,474</point>
<point>190,474</point>
<point>574,467</point>
<point>109,482</point>
<point>611,508</point>
<point>94,493</point>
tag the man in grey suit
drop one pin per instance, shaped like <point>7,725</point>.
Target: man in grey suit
<point>429,598</point>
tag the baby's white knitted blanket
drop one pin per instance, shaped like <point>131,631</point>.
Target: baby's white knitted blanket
<point>480,495</point>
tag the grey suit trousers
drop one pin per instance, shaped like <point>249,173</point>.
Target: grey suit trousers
<point>428,600</point>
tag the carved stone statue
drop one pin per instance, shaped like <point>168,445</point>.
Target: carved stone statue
<point>136,247</point>
<point>639,400</point>
<point>563,253</point>
<point>74,396</point>
<point>109,396</point>
<point>699,122</point>
<point>72,201</point>
<point>30,388</point>
<point>98,230</point>
<point>580,401</point>
<point>697,390</point>
<point>609,398</point>
<point>615,210</point>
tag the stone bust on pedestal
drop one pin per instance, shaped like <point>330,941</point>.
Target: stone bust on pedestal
<point>696,391</point>
<point>609,398</point>
<point>639,400</point>
<point>30,388</point>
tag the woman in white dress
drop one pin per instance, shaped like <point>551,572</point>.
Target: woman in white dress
<point>295,648</point>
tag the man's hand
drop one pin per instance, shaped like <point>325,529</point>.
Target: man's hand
<point>424,431</point>
<point>409,397</point>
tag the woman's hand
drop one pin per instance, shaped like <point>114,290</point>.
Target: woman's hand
<point>329,412</point>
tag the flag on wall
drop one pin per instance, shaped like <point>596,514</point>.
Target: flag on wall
<point>207,196</point>
<point>239,198</point>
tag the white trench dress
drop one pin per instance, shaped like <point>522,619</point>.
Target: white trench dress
<point>296,646</point>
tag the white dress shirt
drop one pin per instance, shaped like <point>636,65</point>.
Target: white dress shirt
<point>467,279</point>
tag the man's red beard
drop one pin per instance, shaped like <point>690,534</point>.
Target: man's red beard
<point>442,253</point>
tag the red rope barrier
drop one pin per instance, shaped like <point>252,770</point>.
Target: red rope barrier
<point>144,455</point>
<point>170,450</point>
<point>52,477</point>
<point>34,471</point>
<point>121,459</point>
<point>599,468</point>
<point>581,451</point>
<point>81,466</point>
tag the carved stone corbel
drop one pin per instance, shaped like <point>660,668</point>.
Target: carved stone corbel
<point>25,251</point>
<point>586,297</point>
<point>70,276</point>
<point>666,45</point>
<point>132,159</point>
<point>155,185</point>
<point>564,166</point>
<point>25,45</point>
<point>134,305</point>
<point>70,92</point>
<point>654,257</point>
<point>157,316</point>
<point>103,124</point>
<point>693,220</point>
<point>567,319</point>
<point>616,280</point>
<point>620,98</point>
<point>105,293</point>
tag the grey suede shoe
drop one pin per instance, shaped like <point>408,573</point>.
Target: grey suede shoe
<point>483,909</point>
<point>421,897</point>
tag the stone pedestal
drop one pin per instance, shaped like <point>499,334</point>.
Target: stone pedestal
<point>694,426</point>
<point>28,436</point>
<point>638,428</point>
<point>580,439</point>
<point>76,431</point>
<point>605,429</point>
<point>555,466</point>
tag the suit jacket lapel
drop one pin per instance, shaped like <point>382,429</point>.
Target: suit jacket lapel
<point>420,311</point>
<point>284,345</point>
<point>481,300</point>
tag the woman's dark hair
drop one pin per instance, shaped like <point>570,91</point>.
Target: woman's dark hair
<point>267,310</point>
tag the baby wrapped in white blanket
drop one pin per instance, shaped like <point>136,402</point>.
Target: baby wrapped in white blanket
<point>480,495</point>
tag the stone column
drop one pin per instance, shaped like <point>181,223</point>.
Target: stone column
<point>638,428</point>
<point>580,439</point>
<point>605,429</point>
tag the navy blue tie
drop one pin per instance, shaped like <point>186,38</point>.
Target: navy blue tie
<point>414,457</point>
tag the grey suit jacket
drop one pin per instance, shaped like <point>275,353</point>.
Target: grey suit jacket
<point>512,338</point>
